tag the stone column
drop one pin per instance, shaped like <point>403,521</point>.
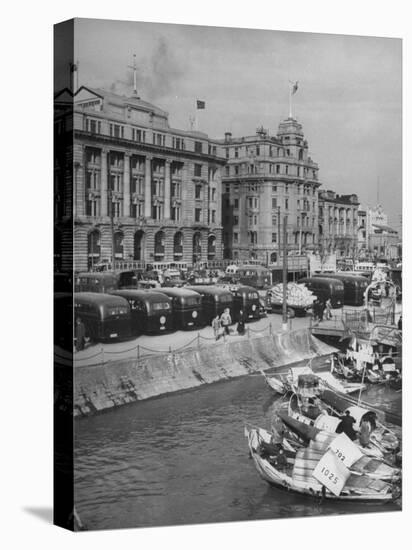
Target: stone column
<point>103,182</point>
<point>148,187</point>
<point>167,190</point>
<point>126,185</point>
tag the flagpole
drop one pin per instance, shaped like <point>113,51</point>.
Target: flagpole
<point>290,101</point>
<point>196,122</point>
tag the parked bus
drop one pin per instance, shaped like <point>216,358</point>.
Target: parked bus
<point>254,275</point>
<point>247,299</point>
<point>354,287</point>
<point>151,312</point>
<point>187,307</point>
<point>106,317</point>
<point>96,282</point>
<point>325,288</point>
<point>214,301</point>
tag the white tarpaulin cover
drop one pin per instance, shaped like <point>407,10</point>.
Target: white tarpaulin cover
<point>331,472</point>
<point>345,450</point>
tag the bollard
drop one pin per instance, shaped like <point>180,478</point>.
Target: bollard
<point>102,350</point>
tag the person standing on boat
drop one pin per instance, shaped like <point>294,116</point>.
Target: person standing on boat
<point>365,432</point>
<point>346,426</point>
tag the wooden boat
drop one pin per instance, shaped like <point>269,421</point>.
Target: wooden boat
<point>323,430</point>
<point>297,476</point>
<point>340,402</point>
<point>277,383</point>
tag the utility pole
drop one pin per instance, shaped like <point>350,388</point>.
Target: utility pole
<point>279,245</point>
<point>285,279</point>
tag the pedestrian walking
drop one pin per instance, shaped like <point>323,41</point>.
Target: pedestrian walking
<point>216,325</point>
<point>80,334</point>
<point>328,307</point>
<point>226,321</point>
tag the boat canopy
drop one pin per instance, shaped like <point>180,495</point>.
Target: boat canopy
<point>358,414</point>
<point>327,422</point>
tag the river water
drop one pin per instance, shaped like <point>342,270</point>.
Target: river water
<point>183,459</point>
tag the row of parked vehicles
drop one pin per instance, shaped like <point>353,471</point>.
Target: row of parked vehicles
<point>122,313</point>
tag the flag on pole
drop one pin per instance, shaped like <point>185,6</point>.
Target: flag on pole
<point>295,88</point>
<point>200,104</point>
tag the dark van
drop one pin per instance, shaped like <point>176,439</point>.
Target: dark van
<point>96,282</point>
<point>106,317</point>
<point>325,288</point>
<point>354,287</point>
<point>151,312</point>
<point>187,307</point>
<point>214,301</point>
<point>257,276</point>
<point>246,298</point>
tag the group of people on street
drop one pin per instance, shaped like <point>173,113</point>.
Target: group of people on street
<point>221,324</point>
<point>322,310</point>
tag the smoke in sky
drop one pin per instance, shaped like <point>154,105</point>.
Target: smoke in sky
<point>157,75</point>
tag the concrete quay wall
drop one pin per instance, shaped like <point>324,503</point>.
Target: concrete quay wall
<point>101,387</point>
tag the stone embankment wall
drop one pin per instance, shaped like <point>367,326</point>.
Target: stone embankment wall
<point>101,387</point>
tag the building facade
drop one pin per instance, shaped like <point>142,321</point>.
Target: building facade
<point>338,224</point>
<point>269,179</point>
<point>383,240</point>
<point>142,190</point>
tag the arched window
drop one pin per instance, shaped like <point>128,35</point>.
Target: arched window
<point>211,247</point>
<point>178,246</point>
<point>138,245</point>
<point>118,245</point>
<point>93,248</point>
<point>159,246</point>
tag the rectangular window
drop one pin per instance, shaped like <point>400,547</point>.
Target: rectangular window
<point>274,237</point>
<point>198,191</point>
<point>274,188</point>
<point>236,153</point>
<point>236,237</point>
<point>236,170</point>
<point>274,203</point>
<point>235,220</point>
<point>257,150</point>
<point>286,204</point>
<point>213,194</point>
<point>227,153</point>
<point>278,169</point>
<point>198,170</point>
<point>198,213</point>
<point>198,147</point>
<point>271,151</point>
<point>227,170</point>
<point>213,216</point>
<point>138,135</point>
<point>116,130</point>
<point>286,169</point>
<point>236,203</point>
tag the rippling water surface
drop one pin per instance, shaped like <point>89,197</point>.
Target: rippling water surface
<point>183,459</point>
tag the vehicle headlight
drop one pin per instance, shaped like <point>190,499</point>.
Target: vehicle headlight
<point>162,320</point>
<point>194,314</point>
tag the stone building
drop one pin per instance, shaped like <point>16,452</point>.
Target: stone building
<point>143,191</point>
<point>383,240</point>
<point>267,178</point>
<point>363,245</point>
<point>338,224</point>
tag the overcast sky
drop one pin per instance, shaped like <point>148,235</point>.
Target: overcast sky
<point>348,101</point>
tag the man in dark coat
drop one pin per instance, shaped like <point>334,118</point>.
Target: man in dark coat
<point>346,426</point>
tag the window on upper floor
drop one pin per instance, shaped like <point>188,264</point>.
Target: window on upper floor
<point>198,147</point>
<point>138,135</point>
<point>236,153</point>
<point>236,203</point>
<point>94,126</point>
<point>278,169</point>
<point>227,170</point>
<point>116,130</point>
<point>198,191</point>
<point>198,214</point>
<point>198,170</point>
<point>236,170</point>
<point>274,203</point>
<point>257,150</point>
